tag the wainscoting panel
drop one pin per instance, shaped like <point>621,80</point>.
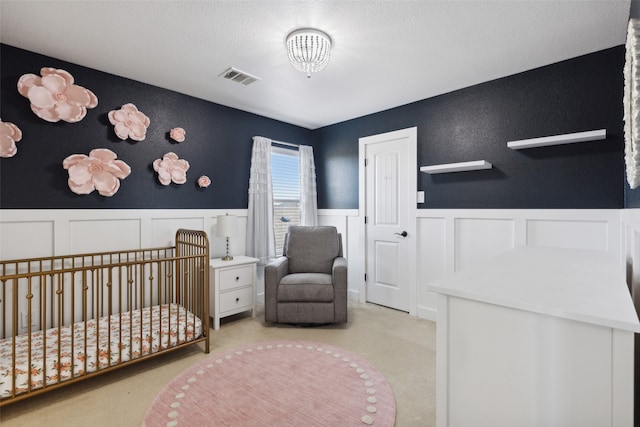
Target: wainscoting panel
<point>630,230</point>
<point>630,267</point>
<point>340,223</point>
<point>355,262</point>
<point>477,239</point>
<point>571,234</point>
<point>431,262</point>
<point>163,230</point>
<point>346,221</point>
<point>26,239</point>
<point>104,235</point>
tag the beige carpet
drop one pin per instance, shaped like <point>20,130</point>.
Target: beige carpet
<point>400,346</point>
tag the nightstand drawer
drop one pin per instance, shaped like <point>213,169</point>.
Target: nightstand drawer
<point>236,277</point>
<point>233,300</point>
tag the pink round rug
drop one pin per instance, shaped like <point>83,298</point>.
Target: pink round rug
<point>276,383</point>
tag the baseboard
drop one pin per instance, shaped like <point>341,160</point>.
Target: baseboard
<point>427,313</point>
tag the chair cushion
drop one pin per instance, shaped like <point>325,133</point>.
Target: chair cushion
<point>312,249</point>
<point>306,312</point>
<point>314,287</point>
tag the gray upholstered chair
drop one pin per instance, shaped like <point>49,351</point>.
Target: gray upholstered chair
<point>308,283</point>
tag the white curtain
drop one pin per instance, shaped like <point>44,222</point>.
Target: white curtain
<point>308,193</point>
<point>261,242</point>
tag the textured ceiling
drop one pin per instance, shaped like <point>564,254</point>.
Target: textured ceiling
<point>386,53</point>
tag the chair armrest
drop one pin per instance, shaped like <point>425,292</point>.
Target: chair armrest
<point>340,287</point>
<point>339,263</point>
<point>276,269</point>
<point>339,272</point>
<point>273,273</point>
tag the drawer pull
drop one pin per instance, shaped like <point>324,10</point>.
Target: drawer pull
<point>237,278</point>
<point>237,299</point>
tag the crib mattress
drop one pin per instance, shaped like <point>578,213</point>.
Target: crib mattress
<point>111,340</point>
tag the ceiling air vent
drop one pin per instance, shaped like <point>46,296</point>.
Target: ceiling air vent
<point>238,76</point>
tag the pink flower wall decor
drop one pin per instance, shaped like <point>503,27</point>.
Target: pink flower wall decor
<point>204,181</point>
<point>98,171</point>
<point>178,134</point>
<point>129,122</point>
<point>171,169</point>
<point>54,97</point>
<point>9,135</point>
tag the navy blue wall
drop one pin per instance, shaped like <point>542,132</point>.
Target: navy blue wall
<point>475,123</point>
<point>218,143</point>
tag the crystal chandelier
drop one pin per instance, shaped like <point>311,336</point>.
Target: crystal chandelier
<point>308,50</point>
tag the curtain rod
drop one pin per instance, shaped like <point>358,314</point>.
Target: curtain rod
<point>288,144</point>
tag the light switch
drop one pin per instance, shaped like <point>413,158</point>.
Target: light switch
<point>420,197</point>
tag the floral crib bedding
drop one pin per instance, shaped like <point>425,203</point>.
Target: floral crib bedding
<point>132,335</point>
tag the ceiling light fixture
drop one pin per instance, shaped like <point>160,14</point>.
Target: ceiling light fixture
<point>308,50</point>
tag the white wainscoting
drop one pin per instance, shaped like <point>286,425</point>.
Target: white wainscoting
<point>446,241</point>
<point>630,247</point>
<point>450,240</point>
<point>346,221</point>
<point>42,232</point>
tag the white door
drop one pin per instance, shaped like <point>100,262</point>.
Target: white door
<point>390,188</point>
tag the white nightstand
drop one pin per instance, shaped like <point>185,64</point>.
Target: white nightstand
<point>234,287</point>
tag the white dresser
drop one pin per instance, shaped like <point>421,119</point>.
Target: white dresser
<point>536,337</point>
<point>234,287</point>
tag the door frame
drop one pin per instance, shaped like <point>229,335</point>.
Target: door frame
<point>412,155</point>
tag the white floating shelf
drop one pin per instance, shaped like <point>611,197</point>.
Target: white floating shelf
<point>569,138</point>
<point>456,167</point>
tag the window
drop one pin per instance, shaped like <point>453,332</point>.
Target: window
<point>285,176</point>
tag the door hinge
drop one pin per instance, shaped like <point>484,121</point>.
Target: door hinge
<point>366,162</point>
<point>365,277</point>
<point>365,219</point>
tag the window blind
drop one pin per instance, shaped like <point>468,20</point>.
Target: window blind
<point>285,175</point>
<point>285,178</point>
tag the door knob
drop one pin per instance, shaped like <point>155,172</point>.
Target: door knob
<point>403,234</point>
